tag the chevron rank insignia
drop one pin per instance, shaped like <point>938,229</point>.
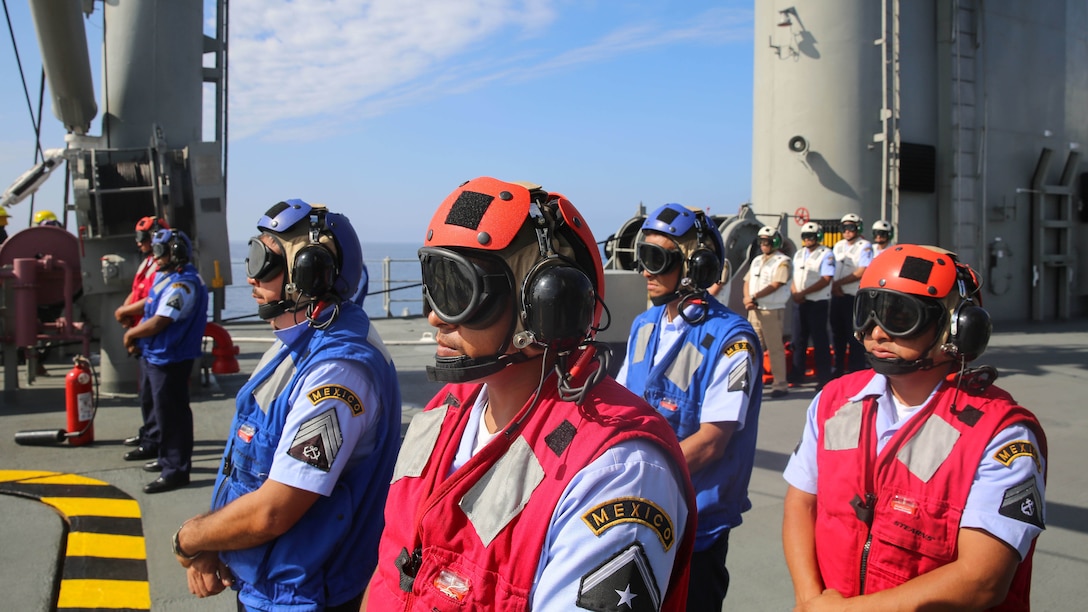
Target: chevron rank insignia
<point>1021,502</point>
<point>318,441</point>
<point>174,302</point>
<point>738,378</point>
<point>337,392</point>
<point>624,582</point>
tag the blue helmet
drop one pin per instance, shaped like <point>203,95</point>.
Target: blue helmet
<point>342,272</point>
<point>173,242</point>
<point>699,240</point>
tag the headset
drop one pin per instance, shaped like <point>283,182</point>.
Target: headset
<point>558,299</point>
<point>704,265</point>
<point>314,270</point>
<point>969,327</point>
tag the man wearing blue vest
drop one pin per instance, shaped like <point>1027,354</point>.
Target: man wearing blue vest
<point>297,506</point>
<point>168,339</point>
<point>699,364</point>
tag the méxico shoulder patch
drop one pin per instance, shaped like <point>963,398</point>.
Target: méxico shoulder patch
<point>1017,448</point>
<point>604,516</point>
<point>739,345</point>
<point>339,392</point>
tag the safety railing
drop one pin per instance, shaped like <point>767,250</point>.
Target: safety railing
<point>399,277</point>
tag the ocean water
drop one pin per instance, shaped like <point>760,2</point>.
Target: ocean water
<point>402,270</point>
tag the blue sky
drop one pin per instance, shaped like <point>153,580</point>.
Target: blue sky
<point>380,108</point>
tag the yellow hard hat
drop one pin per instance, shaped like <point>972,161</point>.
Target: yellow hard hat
<point>44,215</point>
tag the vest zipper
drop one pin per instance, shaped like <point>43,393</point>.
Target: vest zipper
<point>867,507</point>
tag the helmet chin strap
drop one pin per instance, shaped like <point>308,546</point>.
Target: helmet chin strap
<point>684,287</point>
<point>466,369</point>
<point>894,366</point>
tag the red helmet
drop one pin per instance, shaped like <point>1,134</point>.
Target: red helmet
<point>147,226</point>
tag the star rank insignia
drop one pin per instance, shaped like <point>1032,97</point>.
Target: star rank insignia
<point>318,441</point>
<point>623,583</point>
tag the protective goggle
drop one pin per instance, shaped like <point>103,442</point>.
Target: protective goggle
<point>809,236</point>
<point>656,259</point>
<point>766,240</point>
<point>883,233</point>
<point>143,236</point>
<point>900,315</point>
<point>849,227</point>
<point>160,249</point>
<point>461,289</point>
<point>262,263</point>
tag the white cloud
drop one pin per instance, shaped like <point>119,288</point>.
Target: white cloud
<point>308,59</point>
<point>298,68</point>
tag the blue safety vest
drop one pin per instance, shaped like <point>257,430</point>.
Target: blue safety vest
<point>181,339</point>
<point>675,387</point>
<point>328,556</point>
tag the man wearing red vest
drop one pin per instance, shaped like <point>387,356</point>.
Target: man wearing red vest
<point>533,480</point>
<point>918,484</point>
<point>129,314</point>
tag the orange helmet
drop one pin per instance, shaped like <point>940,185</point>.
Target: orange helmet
<point>492,244</point>
<point>911,288</point>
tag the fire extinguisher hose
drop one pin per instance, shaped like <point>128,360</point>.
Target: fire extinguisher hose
<point>46,437</point>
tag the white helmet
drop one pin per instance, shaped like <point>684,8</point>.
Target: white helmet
<point>812,228</point>
<point>883,226</point>
<point>851,218</point>
<point>769,232</point>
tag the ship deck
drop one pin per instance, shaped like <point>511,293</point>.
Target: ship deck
<point>1045,366</point>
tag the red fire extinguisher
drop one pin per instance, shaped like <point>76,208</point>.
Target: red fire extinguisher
<point>79,403</point>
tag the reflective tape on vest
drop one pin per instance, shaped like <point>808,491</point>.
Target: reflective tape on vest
<point>642,340</point>
<point>501,494</point>
<point>683,368</point>
<point>419,443</point>
<point>924,453</point>
<point>842,431</point>
<point>274,385</point>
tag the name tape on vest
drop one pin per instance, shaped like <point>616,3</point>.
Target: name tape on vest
<point>337,392</point>
<point>631,510</point>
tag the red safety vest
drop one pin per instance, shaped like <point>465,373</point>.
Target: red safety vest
<point>427,510</point>
<point>913,493</point>
<point>142,282</point>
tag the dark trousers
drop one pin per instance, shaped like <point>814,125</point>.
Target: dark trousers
<point>842,337</point>
<point>810,322</point>
<point>168,388</point>
<point>149,430</point>
<point>709,577</point>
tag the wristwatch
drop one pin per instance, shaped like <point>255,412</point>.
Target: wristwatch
<point>176,545</point>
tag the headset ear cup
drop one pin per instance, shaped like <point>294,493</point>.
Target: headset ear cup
<point>314,271</point>
<point>704,269</point>
<point>558,304</point>
<point>970,330</point>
